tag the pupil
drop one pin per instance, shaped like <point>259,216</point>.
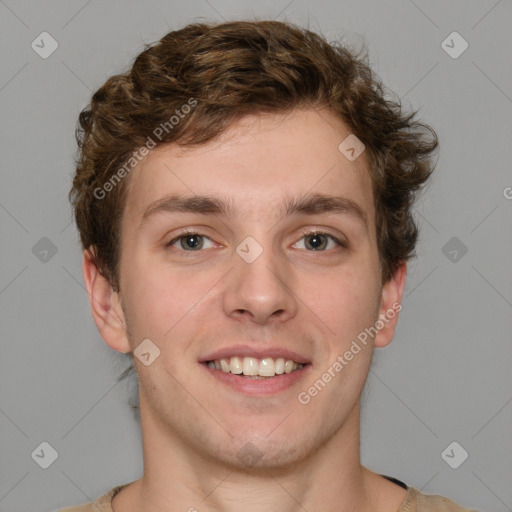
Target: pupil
<point>316,241</point>
<point>192,241</point>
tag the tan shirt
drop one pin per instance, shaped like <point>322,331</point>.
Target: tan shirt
<point>414,501</point>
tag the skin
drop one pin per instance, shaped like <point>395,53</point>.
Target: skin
<point>189,303</point>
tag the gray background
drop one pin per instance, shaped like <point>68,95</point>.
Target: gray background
<point>446,377</point>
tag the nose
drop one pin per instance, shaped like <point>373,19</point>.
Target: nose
<point>260,291</point>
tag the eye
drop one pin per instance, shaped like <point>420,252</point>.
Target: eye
<point>319,241</point>
<point>190,241</point>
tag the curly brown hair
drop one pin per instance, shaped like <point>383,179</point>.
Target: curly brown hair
<point>226,71</point>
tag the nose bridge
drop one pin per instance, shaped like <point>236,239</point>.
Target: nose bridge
<point>259,287</point>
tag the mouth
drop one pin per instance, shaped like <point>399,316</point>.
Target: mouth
<point>255,368</point>
<point>256,371</point>
<point>253,374</point>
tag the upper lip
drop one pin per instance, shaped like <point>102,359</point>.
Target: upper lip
<point>258,353</point>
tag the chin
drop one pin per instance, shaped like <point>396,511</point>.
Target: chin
<point>258,451</point>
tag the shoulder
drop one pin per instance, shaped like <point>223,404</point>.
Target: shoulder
<point>416,501</point>
<point>101,504</point>
<point>89,507</point>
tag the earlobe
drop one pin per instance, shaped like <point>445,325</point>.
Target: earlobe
<point>391,305</point>
<point>105,305</point>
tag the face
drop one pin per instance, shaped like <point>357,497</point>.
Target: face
<point>272,268</point>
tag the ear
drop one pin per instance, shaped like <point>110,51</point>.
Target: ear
<point>390,306</point>
<point>105,305</point>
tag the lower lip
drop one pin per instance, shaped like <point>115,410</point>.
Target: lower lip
<point>257,387</point>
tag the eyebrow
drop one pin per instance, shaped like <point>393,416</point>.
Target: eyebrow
<point>309,204</point>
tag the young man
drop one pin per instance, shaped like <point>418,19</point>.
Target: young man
<point>243,196</point>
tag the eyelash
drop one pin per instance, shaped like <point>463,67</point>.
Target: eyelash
<point>304,234</point>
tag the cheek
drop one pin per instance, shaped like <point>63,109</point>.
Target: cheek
<point>148,297</point>
<point>347,303</point>
<point>163,304</point>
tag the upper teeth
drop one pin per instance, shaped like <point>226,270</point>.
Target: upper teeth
<point>267,367</point>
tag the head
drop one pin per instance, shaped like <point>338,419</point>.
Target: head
<point>252,113</point>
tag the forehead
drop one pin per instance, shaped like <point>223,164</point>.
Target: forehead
<point>258,166</point>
